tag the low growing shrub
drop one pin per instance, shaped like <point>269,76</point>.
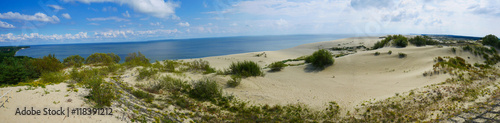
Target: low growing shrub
<point>101,92</point>
<point>136,59</point>
<point>206,89</point>
<point>143,95</point>
<point>277,66</point>
<point>402,55</point>
<point>390,52</point>
<point>74,60</point>
<point>234,81</point>
<point>201,65</point>
<point>321,59</point>
<point>245,69</point>
<point>377,53</point>
<point>146,73</point>
<point>53,77</point>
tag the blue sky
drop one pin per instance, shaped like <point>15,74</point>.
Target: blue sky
<point>29,22</point>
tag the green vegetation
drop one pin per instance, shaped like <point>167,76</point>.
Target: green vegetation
<point>146,73</point>
<point>491,40</point>
<point>206,89</point>
<point>402,55</point>
<point>399,40</point>
<point>48,64</point>
<point>73,60</point>
<point>489,54</point>
<point>170,65</point>
<point>101,92</point>
<point>234,81</point>
<point>422,41</point>
<point>377,53</point>
<point>53,77</point>
<point>390,52</point>
<point>201,65</point>
<point>321,59</point>
<point>277,66</point>
<point>169,84</point>
<point>245,69</point>
<point>14,70</point>
<point>136,59</point>
<point>143,95</point>
<point>102,59</point>
<point>10,51</point>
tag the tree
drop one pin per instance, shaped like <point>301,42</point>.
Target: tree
<point>14,70</point>
<point>136,59</point>
<point>491,40</point>
<point>76,60</point>
<point>102,58</point>
<point>47,64</point>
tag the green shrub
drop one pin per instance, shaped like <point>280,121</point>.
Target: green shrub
<point>101,92</point>
<point>170,65</point>
<point>321,59</point>
<point>73,60</point>
<point>136,59</point>
<point>170,84</point>
<point>84,74</point>
<point>454,50</point>
<point>53,77</point>
<point>245,69</point>
<point>400,41</point>
<point>146,73</point>
<point>377,53</point>
<point>234,81</point>
<point>491,40</point>
<point>102,59</point>
<point>143,95</point>
<point>402,55</point>
<point>206,89</point>
<point>277,66</point>
<point>14,70</point>
<point>390,52</point>
<point>380,44</point>
<point>47,64</point>
<point>201,65</point>
<point>422,41</point>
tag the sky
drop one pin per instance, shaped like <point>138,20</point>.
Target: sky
<point>31,22</point>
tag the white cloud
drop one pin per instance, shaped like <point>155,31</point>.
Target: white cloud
<point>126,14</point>
<point>185,24</point>
<point>6,25</point>
<point>155,24</point>
<point>117,19</point>
<point>95,24</point>
<point>66,15</point>
<point>36,36</point>
<point>56,7</point>
<point>156,8</point>
<point>37,17</point>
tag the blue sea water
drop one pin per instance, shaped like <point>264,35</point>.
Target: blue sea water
<point>180,48</point>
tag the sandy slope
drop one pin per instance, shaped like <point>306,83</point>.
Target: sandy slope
<point>350,81</point>
<point>56,98</point>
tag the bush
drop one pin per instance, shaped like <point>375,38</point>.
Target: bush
<point>321,59</point>
<point>400,41</point>
<point>402,55</point>
<point>170,84</point>
<point>277,66</point>
<point>14,70</point>
<point>235,81</point>
<point>245,69</point>
<point>146,73</point>
<point>206,89</point>
<point>48,64</point>
<point>136,59</point>
<point>377,53</point>
<point>390,52</point>
<point>382,43</point>
<point>454,50</point>
<point>100,92</point>
<point>53,77</point>
<point>422,41</point>
<point>143,95</point>
<point>201,65</point>
<point>73,60</point>
<point>491,40</point>
<point>102,59</point>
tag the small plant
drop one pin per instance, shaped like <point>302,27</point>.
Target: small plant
<point>321,59</point>
<point>277,66</point>
<point>53,77</point>
<point>100,92</point>
<point>235,81</point>
<point>402,55</point>
<point>136,59</point>
<point>146,73</point>
<point>206,89</point>
<point>245,69</point>
<point>143,95</point>
<point>454,50</point>
<point>201,65</point>
<point>390,52</point>
<point>377,53</point>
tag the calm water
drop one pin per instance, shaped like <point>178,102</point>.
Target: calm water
<point>180,48</point>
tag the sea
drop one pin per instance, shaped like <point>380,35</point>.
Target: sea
<point>173,49</point>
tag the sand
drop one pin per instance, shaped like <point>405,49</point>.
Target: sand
<point>350,81</point>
